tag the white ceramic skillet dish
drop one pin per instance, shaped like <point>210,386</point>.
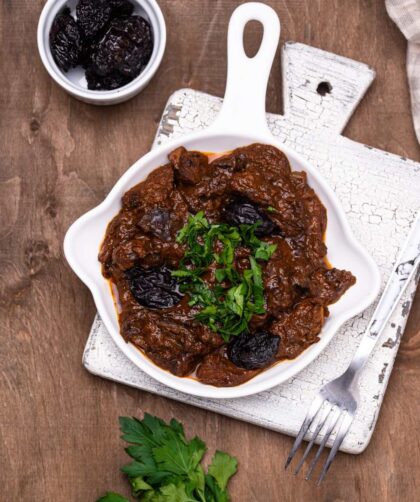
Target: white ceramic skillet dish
<point>241,122</point>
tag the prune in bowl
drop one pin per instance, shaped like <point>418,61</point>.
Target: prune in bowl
<point>124,49</point>
<point>66,41</point>
<point>93,15</point>
<point>69,31</point>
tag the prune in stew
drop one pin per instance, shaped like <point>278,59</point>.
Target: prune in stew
<point>153,287</point>
<point>121,7</point>
<point>252,351</point>
<point>241,211</point>
<point>107,83</point>
<point>157,221</point>
<point>65,41</point>
<point>126,47</point>
<point>92,16</point>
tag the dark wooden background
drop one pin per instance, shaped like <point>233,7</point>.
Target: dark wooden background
<point>59,157</point>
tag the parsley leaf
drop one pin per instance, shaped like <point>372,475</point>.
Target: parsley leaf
<point>228,307</point>
<point>213,492</point>
<point>222,468</point>
<point>179,457</point>
<point>167,467</point>
<point>112,497</point>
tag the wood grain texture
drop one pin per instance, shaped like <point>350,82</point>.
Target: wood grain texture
<point>59,157</point>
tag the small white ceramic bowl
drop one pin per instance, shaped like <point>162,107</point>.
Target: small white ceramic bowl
<point>74,81</point>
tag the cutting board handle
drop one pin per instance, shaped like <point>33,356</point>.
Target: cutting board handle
<point>321,90</point>
<point>243,109</point>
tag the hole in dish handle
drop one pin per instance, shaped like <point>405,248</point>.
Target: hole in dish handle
<point>243,109</point>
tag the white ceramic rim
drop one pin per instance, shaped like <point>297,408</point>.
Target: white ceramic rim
<point>154,13</point>
<point>236,124</point>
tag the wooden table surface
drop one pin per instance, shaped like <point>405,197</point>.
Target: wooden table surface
<point>59,158</point>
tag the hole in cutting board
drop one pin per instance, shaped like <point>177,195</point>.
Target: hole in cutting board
<point>253,33</point>
<point>324,88</point>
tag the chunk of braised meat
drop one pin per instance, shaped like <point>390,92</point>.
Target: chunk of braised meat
<point>173,345</point>
<point>285,277</point>
<point>329,285</point>
<point>271,161</point>
<point>266,168</point>
<point>253,350</point>
<point>244,183</point>
<point>153,191</point>
<point>314,218</point>
<point>241,211</point>
<point>280,292</point>
<point>298,327</point>
<point>126,47</point>
<point>207,195</point>
<point>148,251</point>
<point>216,369</point>
<point>190,167</point>
<point>154,288</point>
<point>121,229</point>
<point>65,41</point>
<point>231,162</point>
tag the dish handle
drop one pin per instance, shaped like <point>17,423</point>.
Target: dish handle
<point>243,109</point>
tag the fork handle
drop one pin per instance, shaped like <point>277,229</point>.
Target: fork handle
<point>403,271</point>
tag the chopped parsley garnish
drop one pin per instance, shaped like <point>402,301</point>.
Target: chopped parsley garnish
<point>166,467</point>
<point>228,307</point>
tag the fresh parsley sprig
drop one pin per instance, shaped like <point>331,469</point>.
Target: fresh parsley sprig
<point>225,309</point>
<point>167,468</point>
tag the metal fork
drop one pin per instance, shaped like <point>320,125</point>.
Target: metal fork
<point>334,408</point>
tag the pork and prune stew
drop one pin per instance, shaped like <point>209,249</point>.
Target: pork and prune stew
<point>218,264</point>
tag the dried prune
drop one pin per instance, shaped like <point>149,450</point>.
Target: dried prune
<point>241,211</point>
<point>92,16</point>
<point>112,45</point>
<point>107,83</point>
<point>157,221</point>
<point>126,47</point>
<point>121,7</point>
<point>153,287</point>
<point>65,41</point>
<point>253,351</point>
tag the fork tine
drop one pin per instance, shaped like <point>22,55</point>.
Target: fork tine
<point>333,419</point>
<point>322,419</point>
<point>341,434</point>
<point>312,413</point>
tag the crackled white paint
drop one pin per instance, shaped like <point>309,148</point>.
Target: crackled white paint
<point>380,193</point>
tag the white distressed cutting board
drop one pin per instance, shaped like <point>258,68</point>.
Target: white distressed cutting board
<point>380,193</point>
